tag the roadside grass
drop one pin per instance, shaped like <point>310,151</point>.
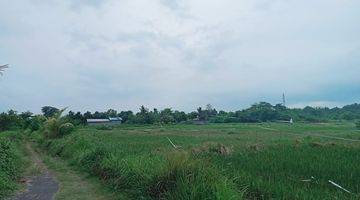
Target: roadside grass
<point>74,184</point>
<point>13,162</point>
<point>217,161</point>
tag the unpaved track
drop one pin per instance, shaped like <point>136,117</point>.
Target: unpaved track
<point>40,187</point>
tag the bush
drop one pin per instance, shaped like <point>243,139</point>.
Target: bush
<point>9,165</point>
<point>66,129</point>
<point>36,123</point>
<point>10,121</point>
<point>52,127</point>
<point>56,127</point>
<point>188,178</point>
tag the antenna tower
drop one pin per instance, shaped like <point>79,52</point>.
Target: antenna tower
<point>284,100</point>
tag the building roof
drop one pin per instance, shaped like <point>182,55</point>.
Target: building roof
<point>110,119</point>
<point>115,118</point>
<point>97,120</point>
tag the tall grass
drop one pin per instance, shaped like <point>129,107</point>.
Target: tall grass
<point>170,175</point>
<point>289,172</point>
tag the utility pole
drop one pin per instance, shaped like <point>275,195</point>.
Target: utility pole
<point>284,100</point>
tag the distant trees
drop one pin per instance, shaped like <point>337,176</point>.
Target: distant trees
<point>126,116</point>
<point>204,115</point>
<point>10,120</point>
<point>111,113</point>
<point>49,111</point>
<point>144,116</point>
<point>258,112</point>
<point>167,116</point>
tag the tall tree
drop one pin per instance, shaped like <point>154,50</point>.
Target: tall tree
<point>49,111</point>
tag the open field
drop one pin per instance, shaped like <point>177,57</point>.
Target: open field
<point>218,161</point>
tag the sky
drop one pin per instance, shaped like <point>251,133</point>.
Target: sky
<point>121,54</point>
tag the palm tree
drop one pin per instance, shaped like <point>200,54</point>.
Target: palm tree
<point>2,68</point>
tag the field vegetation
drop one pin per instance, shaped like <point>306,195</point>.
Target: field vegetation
<point>250,154</point>
<point>218,161</point>
<point>12,162</point>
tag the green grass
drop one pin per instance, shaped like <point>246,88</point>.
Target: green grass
<point>12,162</point>
<point>218,161</point>
<point>75,185</point>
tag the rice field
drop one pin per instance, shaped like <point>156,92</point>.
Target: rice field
<point>218,161</point>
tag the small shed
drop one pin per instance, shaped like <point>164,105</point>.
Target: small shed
<point>109,121</point>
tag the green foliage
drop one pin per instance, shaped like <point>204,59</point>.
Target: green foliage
<point>36,123</point>
<point>217,160</point>
<point>258,112</point>
<point>56,126</point>
<point>10,121</point>
<point>187,178</point>
<point>10,167</point>
<point>66,128</point>
<point>174,175</point>
<point>49,111</point>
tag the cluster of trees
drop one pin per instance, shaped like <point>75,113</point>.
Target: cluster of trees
<point>26,120</point>
<point>259,112</point>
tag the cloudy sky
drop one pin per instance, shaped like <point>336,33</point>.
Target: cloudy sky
<point>99,54</point>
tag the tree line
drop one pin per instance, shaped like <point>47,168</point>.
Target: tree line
<point>258,112</point>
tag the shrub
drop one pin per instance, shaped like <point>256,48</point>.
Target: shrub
<point>52,127</point>
<point>187,178</point>
<point>56,127</point>
<point>36,123</point>
<point>66,129</point>
<point>10,121</point>
<point>9,165</point>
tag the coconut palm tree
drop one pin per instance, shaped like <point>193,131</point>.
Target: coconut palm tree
<point>2,68</point>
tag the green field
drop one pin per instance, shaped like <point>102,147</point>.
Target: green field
<point>218,161</point>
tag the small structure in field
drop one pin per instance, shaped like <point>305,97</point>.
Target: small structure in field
<point>109,121</point>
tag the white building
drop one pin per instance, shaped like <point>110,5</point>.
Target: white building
<point>109,121</point>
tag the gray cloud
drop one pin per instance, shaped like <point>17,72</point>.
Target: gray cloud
<point>99,54</point>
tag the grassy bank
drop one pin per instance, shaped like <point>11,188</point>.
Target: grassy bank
<point>12,162</point>
<point>74,184</point>
<point>217,161</point>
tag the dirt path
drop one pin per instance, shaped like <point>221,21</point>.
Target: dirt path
<point>40,187</point>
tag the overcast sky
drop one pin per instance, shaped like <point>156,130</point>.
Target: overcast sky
<point>100,54</point>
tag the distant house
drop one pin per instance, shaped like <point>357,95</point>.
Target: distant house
<point>109,121</point>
